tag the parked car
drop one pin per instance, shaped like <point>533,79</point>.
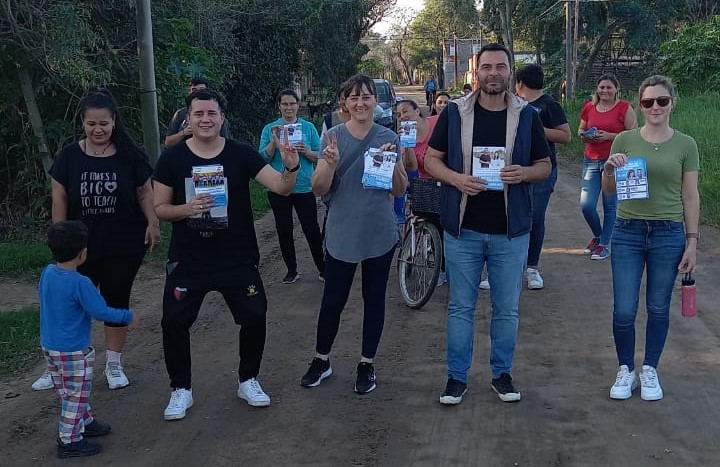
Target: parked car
<point>386,100</point>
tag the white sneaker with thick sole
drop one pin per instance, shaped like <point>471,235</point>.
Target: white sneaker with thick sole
<point>115,376</point>
<point>253,393</point>
<point>625,384</point>
<point>534,279</point>
<point>180,401</point>
<point>43,383</point>
<point>650,389</point>
<point>485,285</point>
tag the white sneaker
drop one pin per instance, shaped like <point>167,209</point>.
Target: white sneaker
<point>625,383</point>
<point>485,285</point>
<point>180,401</point>
<point>442,279</point>
<point>253,393</point>
<point>115,376</point>
<point>43,383</point>
<point>534,279</point>
<point>650,389</point>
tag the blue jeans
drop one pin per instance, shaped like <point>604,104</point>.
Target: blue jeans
<point>590,188</point>
<point>637,245</point>
<point>541,192</point>
<point>465,257</point>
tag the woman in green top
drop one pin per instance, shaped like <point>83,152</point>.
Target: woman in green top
<point>658,232</point>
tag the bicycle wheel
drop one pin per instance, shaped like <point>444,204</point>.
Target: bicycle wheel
<point>419,264</point>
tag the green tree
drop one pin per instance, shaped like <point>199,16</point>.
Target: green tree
<point>695,48</point>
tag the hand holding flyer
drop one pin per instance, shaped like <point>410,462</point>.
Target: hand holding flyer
<point>487,161</point>
<point>631,180</point>
<point>408,134</point>
<point>379,168</point>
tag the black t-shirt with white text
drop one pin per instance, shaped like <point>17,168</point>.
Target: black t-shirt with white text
<point>485,212</point>
<point>212,249</point>
<point>102,192</point>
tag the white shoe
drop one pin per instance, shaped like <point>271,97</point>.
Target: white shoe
<point>625,383</point>
<point>115,376</point>
<point>253,393</point>
<point>534,279</point>
<point>43,383</point>
<point>180,401</point>
<point>485,285</point>
<point>442,279</point>
<point>650,389</point>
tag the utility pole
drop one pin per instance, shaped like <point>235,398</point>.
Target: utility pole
<point>569,62</point>
<point>148,90</point>
<point>455,59</point>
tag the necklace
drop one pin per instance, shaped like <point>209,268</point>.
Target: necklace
<point>98,152</point>
<point>653,144</point>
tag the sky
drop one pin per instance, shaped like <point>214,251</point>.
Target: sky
<point>416,5</point>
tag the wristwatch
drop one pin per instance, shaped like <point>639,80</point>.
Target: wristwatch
<point>294,169</point>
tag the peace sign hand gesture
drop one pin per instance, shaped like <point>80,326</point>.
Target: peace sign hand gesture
<point>331,153</point>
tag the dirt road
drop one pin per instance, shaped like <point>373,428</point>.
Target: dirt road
<point>564,365</point>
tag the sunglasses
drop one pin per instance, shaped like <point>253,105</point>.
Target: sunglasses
<point>662,101</point>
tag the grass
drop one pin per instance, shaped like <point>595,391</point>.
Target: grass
<point>18,259</point>
<point>19,339</point>
<point>695,115</point>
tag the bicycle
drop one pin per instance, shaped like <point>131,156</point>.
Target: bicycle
<point>421,252</point>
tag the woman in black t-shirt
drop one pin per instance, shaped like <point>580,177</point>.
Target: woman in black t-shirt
<point>104,181</point>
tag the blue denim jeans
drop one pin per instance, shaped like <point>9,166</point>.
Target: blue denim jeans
<point>465,257</point>
<point>590,188</point>
<point>541,192</point>
<point>657,246</point>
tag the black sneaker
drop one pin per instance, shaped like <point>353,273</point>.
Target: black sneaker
<point>454,392</point>
<point>80,448</point>
<point>97,428</point>
<point>504,388</point>
<point>365,381</point>
<point>291,277</point>
<point>318,371</point>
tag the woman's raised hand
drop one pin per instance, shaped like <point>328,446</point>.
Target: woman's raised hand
<point>331,153</point>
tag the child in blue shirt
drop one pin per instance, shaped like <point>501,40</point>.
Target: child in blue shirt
<point>68,302</point>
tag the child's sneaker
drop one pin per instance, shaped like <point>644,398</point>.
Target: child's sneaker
<point>115,376</point>
<point>80,448</point>
<point>43,383</point>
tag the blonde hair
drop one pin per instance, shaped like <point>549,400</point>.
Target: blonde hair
<point>658,80</point>
<point>613,80</point>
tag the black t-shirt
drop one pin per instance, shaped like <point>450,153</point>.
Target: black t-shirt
<point>176,123</point>
<point>552,116</point>
<point>102,192</point>
<point>212,249</point>
<point>485,212</point>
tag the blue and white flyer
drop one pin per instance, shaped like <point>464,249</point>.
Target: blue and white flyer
<point>631,180</point>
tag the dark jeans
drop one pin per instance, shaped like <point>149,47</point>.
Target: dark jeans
<point>656,247</point>
<point>306,209</point>
<point>114,277</point>
<point>430,98</point>
<point>338,282</point>
<point>181,304</point>
<point>541,192</point>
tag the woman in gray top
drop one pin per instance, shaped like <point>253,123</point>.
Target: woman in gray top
<point>360,229</point>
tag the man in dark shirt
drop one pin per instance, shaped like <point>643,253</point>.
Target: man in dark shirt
<point>529,82</point>
<point>213,244</point>
<point>486,213</point>
<point>178,129</point>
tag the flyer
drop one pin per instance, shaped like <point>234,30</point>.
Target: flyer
<point>486,164</point>
<point>631,180</point>
<point>294,133</point>
<point>408,134</point>
<point>379,168</point>
<point>208,179</point>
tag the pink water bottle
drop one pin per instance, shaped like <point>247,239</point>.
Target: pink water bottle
<point>688,296</point>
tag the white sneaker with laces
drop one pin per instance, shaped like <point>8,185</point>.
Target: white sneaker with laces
<point>180,401</point>
<point>650,389</point>
<point>625,383</point>
<point>253,393</point>
<point>534,279</point>
<point>485,285</point>
<point>43,383</point>
<point>115,376</point>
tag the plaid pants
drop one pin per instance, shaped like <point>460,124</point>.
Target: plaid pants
<point>72,374</point>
